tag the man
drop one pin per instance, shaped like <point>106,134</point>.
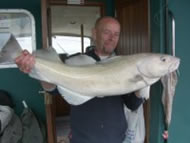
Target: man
<point>100,120</point>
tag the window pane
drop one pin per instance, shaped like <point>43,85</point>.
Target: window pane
<point>69,44</point>
<point>19,23</point>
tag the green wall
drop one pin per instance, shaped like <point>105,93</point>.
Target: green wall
<point>180,125</point>
<point>19,85</point>
<point>179,128</point>
<point>109,6</point>
<point>157,45</point>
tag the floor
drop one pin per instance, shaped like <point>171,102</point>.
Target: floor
<point>63,129</point>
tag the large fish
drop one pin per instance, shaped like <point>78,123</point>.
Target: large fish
<point>116,76</point>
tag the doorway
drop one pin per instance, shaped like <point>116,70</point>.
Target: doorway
<point>69,33</point>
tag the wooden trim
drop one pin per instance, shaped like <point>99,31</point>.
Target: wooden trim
<point>44,6</point>
<point>50,117</point>
<point>64,2</point>
<point>120,3</point>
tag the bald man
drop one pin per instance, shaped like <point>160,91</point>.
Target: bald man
<point>100,120</point>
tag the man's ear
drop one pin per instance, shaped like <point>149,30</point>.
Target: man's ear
<point>94,34</point>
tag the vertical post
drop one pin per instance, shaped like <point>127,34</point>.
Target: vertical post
<point>166,28</point>
<point>50,116</point>
<point>44,23</point>
<point>82,38</point>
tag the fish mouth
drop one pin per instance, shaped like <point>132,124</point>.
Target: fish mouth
<point>174,66</point>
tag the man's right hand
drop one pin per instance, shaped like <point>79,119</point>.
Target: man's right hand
<point>25,61</point>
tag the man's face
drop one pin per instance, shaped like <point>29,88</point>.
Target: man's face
<point>107,36</point>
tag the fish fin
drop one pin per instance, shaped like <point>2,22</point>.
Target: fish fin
<point>80,60</point>
<point>72,97</point>
<point>144,92</point>
<point>48,54</point>
<point>4,37</point>
<point>137,78</point>
<point>9,49</point>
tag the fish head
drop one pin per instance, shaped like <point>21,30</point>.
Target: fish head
<point>9,50</point>
<point>157,65</point>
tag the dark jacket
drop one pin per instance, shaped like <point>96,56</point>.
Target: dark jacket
<point>101,120</point>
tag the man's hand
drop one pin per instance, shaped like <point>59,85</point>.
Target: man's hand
<point>25,61</point>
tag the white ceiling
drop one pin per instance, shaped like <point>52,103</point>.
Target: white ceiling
<point>67,20</point>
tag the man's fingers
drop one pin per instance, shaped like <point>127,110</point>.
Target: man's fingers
<point>29,63</point>
<point>25,61</point>
<point>21,57</point>
<point>25,52</point>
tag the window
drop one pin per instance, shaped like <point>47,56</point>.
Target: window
<point>69,24</point>
<point>69,44</point>
<point>20,23</point>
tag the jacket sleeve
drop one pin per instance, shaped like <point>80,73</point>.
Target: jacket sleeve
<point>132,101</point>
<point>54,92</point>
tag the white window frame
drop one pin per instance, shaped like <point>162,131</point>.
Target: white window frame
<point>17,11</point>
<point>33,30</point>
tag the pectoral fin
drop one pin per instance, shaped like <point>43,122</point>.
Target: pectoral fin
<point>144,92</point>
<point>73,97</point>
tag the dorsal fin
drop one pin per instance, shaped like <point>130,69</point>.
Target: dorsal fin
<point>48,54</point>
<point>9,48</point>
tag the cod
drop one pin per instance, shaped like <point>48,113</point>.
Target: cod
<point>79,83</point>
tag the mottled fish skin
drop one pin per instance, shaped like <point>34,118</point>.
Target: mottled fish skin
<point>120,75</point>
<point>116,76</point>
<point>169,82</point>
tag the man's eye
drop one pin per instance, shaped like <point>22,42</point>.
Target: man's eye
<point>106,32</point>
<point>116,35</point>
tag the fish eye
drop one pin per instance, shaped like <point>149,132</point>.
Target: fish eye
<point>163,59</point>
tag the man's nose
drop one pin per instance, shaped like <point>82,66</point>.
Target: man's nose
<point>111,37</point>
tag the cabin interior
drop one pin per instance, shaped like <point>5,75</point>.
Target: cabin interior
<point>146,26</point>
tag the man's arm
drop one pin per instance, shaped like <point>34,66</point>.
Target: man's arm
<point>132,100</point>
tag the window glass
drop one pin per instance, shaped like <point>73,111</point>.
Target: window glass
<point>19,23</point>
<point>69,44</point>
<point>69,24</point>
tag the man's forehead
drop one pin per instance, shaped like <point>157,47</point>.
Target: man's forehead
<point>108,25</point>
<point>109,21</point>
<point>105,21</point>
<point>111,26</point>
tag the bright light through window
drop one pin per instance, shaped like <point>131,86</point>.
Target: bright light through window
<point>69,44</point>
<point>20,24</point>
<point>25,43</point>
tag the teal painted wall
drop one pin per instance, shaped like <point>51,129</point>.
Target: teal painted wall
<point>19,85</point>
<point>179,128</point>
<point>157,45</point>
<point>180,125</point>
<point>109,6</point>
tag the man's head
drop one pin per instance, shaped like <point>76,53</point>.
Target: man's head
<point>106,35</point>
